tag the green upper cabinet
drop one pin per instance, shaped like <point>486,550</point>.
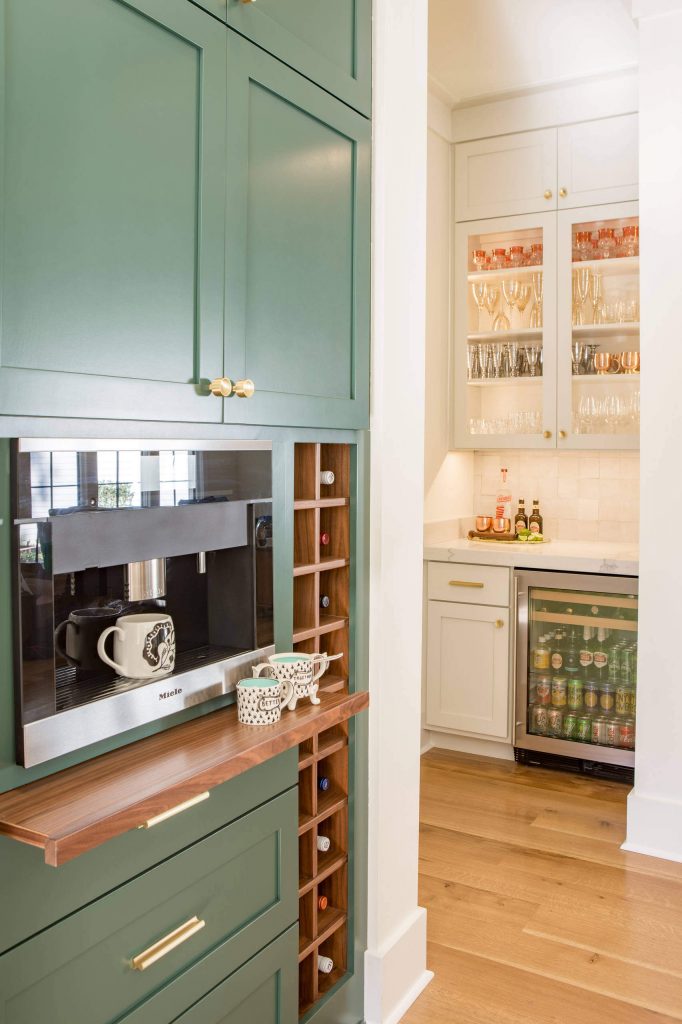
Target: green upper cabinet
<point>113,208</point>
<point>298,277</point>
<point>328,41</point>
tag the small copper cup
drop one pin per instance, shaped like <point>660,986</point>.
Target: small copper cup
<point>602,362</point>
<point>483,523</point>
<point>629,362</point>
<point>501,525</point>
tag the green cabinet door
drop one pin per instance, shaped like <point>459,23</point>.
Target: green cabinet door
<point>298,277</point>
<point>328,41</point>
<point>112,208</point>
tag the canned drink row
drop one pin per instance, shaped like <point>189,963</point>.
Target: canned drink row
<point>578,695</point>
<point>582,727</point>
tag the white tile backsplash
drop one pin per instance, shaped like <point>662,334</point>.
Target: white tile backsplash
<point>584,496</point>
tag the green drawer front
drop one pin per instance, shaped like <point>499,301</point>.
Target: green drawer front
<point>34,896</point>
<point>241,881</point>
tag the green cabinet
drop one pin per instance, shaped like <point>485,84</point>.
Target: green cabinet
<point>328,41</point>
<point>177,205</point>
<point>298,276</point>
<point>112,208</point>
<point>231,892</point>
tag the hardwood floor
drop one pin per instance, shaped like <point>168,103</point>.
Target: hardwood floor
<point>535,916</point>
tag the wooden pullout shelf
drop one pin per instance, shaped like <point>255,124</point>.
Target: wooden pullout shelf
<point>81,807</point>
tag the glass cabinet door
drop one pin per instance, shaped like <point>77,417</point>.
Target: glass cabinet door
<point>505,333</point>
<point>598,333</point>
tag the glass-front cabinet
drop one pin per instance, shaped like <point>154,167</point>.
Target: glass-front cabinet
<point>598,327</point>
<point>546,330</point>
<point>505,333</point>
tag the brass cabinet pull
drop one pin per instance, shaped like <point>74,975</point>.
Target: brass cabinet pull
<point>464,583</point>
<point>546,434</point>
<point>223,387</point>
<point>563,192</point>
<point>562,435</point>
<point>548,193</point>
<point>163,946</point>
<point>172,811</point>
<point>248,1</point>
<point>499,623</point>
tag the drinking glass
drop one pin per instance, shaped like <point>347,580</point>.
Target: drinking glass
<point>536,281</point>
<point>482,353</point>
<point>532,356</point>
<point>607,243</point>
<point>582,277</point>
<point>478,290</point>
<point>496,352</point>
<point>471,361</point>
<point>596,294</point>
<point>522,301</point>
<point>577,354</point>
<point>510,290</point>
<point>576,311</point>
<point>513,358</point>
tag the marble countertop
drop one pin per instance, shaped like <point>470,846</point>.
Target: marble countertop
<point>571,556</point>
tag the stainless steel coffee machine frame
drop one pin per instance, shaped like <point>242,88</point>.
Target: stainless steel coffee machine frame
<point>131,704</point>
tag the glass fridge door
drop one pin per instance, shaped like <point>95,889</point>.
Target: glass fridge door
<point>581,675</point>
<point>505,333</point>
<point>598,355</point>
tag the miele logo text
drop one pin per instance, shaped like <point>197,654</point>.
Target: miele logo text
<point>170,693</point>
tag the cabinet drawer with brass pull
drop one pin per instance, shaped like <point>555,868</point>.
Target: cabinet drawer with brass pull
<point>210,908</point>
<point>470,584</point>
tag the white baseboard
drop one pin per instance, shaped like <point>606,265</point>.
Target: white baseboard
<point>654,827</point>
<point>467,745</point>
<point>396,973</point>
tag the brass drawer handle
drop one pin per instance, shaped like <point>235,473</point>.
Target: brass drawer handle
<point>224,387</point>
<point>465,583</point>
<point>172,811</point>
<point>159,949</point>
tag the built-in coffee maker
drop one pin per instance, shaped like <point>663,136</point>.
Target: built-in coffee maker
<point>143,582</point>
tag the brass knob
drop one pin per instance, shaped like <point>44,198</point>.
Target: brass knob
<point>221,387</point>
<point>548,193</point>
<point>244,388</point>
<point>562,435</point>
<point>547,434</point>
<point>248,1</point>
<point>499,623</point>
<point>563,192</point>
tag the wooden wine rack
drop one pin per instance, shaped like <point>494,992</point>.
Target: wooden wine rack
<point>318,570</point>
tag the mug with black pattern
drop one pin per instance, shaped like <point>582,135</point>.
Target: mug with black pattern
<point>144,645</point>
<point>259,701</point>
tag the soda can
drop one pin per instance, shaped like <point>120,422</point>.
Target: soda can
<point>626,734</point>
<point>583,729</point>
<point>591,695</point>
<point>555,721</point>
<point>569,725</point>
<point>622,699</point>
<point>538,720</point>
<point>559,691</point>
<point>599,731</point>
<point>575,693</point>
<point>626,664</point>
<point>612,732</point>
<point>632,702</point>
<point>543,690</point>
<point>607,697</point>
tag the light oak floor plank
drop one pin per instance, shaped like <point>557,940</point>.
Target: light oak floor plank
<point>535,915</point>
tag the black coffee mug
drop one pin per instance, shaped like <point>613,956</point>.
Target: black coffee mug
<point>76,637</point>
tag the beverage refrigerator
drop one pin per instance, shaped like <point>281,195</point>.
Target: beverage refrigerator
<point>576,671</point>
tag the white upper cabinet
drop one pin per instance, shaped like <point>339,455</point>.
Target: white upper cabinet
<point>506,175</point>
<point>598,162</point>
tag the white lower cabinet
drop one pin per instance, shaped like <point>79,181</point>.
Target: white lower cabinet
<point>467,670</point>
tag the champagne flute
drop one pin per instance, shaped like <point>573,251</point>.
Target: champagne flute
<point>537,283</point>
<point>582,276</point>
<point>478,290</point>
<point>522,301</point>
<point>596,295</point>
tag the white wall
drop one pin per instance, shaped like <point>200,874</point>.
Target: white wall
<point>655,806</point>
<point>396,956</point>
<point>448,476</point>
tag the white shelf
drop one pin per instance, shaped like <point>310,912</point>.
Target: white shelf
<point>504,275</point>
<point>498,382</point>
<point>605,330</point>
<point>524,333</point>
<point>615,265</point>
<point>592,378</point>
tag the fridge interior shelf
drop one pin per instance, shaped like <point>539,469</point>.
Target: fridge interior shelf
<point>567,596</point>
<point>564,619</point>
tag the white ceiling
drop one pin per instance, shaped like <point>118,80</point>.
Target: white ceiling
<point>481,48</point>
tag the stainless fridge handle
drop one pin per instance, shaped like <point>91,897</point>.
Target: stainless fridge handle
<point>515,634</point>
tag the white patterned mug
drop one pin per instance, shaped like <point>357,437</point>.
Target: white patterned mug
<point>144,646</point>
<point>300,670</point>
<point>260,701</point>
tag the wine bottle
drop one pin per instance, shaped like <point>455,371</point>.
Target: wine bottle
<point>327,477</point>
<point>325,964</point>
<point>323,783</point>
<point>325,600</point>
<point>323,844</point>
<point>322,903</point>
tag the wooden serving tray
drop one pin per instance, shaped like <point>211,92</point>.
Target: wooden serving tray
<point>504,538</point>
<point>73,811</point>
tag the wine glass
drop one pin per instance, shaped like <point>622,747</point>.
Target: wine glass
<point>510,290</point>
<point>478,289</point>
<point>522,301</point>
<point>492,294</point>
<point>577,353</point>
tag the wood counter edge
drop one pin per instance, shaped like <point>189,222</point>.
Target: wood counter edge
<point>63,845</point>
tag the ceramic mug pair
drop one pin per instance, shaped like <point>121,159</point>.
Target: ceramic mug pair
<point>292,676</point>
